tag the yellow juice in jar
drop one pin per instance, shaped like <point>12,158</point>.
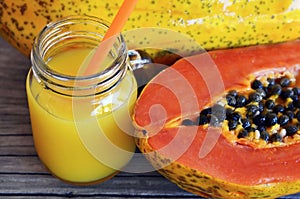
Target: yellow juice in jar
<point>80,141</point>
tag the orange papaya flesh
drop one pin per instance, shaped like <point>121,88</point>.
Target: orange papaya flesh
<point>203,159</point>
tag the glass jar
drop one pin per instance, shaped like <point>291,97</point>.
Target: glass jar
<point>81,123</point>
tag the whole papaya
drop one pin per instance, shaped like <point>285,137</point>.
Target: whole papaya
<point>212,23</point>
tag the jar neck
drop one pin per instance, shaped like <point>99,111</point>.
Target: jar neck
<point>78,32</point>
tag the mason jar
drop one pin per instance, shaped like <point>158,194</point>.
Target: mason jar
<point>81,122</point>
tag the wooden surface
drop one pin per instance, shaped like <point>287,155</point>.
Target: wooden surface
<point>21,173</point>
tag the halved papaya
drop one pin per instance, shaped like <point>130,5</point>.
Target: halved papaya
<point>212,157</point>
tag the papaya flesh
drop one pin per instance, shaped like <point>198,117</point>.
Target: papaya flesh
<point>204,159</point>
<point>213,24</point>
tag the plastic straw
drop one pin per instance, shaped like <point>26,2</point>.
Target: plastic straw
<point>115,28</point>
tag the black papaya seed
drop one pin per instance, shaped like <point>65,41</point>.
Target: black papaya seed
<point>231,101</point>
<point>252,110</point>
<point>275,138</point>
<point>271,82</point>
<point>261,106</point>
<point>246,123</point>
<point>291,129</point>
<point>286,93</point>
<point>241,101</point>
<point>295,97</point>
<point>243,134</point>
<point>267,91</point>
<point>234,93</point>
<point>255,97</point>
<point>297,116</point>
<point>229,111</point>
<point>206,111</point>
<point>261,128</point>
<point>297,103</point>
<point>256,84</point>
<point>283,120</point>
<point>284,82</point>
<point>264,135</point>
<point>261,92</point>
<point>278,108</point>
<point>251,129</point>
<point>232,124</point>
<point>259,120</point>
<point>290,106</point>
<point>235,116</point>
<point>269,104</point>
<point>271,119</point>
<point>144,132</point>
<point>203,119</point>
<point>296,90</point>
<point>290,114</point>
<point>188,122</point>
<point>276,89</point>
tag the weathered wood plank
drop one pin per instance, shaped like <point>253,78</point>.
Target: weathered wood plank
<point>94,197</point>
<point>30,164</point>
<point>16,146</point>
<point>16,140</point>
<point>21,164</point>
<point>17,151</point>
<point>14,117</point>
<point>26,175</point>
<point>119,185</point>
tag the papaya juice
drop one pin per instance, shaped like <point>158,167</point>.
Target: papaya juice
<point>81,139</point>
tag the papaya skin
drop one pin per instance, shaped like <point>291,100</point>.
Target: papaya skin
<point>212,24</point>
<point>229,169</point>
<point>207,186</point>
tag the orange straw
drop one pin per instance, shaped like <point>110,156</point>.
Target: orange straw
<point>114,29</point>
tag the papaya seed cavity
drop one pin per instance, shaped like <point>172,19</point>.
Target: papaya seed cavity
<point>266,115</point>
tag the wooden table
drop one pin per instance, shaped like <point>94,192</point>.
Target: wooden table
<point>21,173</point>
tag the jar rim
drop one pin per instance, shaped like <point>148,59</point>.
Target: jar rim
<point>58,23</point>
<point>44,72</point>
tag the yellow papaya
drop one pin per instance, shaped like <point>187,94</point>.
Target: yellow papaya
<point>211,23</point>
